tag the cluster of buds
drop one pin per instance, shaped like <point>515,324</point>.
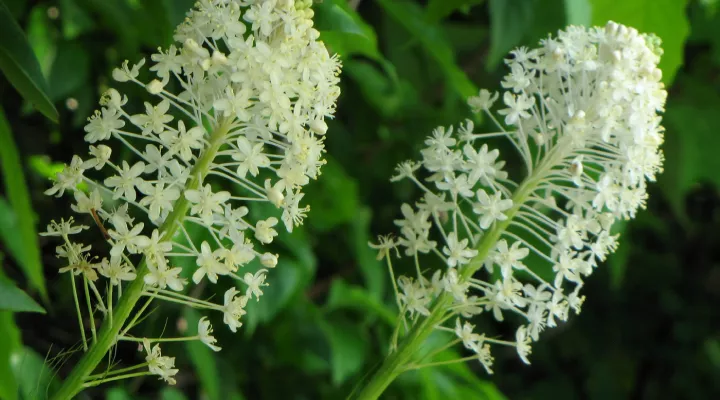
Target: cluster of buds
<point>582,112</point>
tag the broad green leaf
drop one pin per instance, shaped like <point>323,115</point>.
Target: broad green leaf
<point>10,343</point>
<point>578,12</point>
<point>439,9</point>
<point>170,393</point>
<point>19,198</point>
<point>345,296</point>
<point>286,281</point>
<point>14,299</point>
<point>20,66</point>
<point>69,70</point>
<point>35,378</point>
<point>665,18</point>
<point>509,22</point>
<point>334,198</point>
<point>344,31</point>
<point>691,142</point>
<point>202,358</point>
<point>384,94</point>
<point>348,347</point>
<point>410,16</point>
<point>117,393</point>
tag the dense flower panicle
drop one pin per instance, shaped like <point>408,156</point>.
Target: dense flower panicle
<point>582,112</point>
<point>241,98</point>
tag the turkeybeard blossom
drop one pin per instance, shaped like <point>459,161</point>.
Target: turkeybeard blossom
<point>581,111</point>
<point>235,117</point>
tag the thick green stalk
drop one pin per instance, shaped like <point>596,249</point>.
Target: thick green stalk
<point>109,331</point>
<point>396,362</point>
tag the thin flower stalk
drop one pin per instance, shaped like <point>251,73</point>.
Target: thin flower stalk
<point>582,113</point>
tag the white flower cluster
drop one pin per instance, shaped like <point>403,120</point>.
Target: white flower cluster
<point>240,101</point>
<point>582,112</point>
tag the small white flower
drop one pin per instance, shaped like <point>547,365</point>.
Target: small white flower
<point>233,309</point>
<point>255,282</point>
<point>522,343</point>
<point>205,331</point>
<point>483,101</point>
<point>126,182</point>
<point>126,238</point>
<point>264,231</point>
<point>117,270</point>
<point>491,209</point>
<point>205,202</point>
<point>457,251</point>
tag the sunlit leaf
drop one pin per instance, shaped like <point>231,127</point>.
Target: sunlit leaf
<point>20,66</point>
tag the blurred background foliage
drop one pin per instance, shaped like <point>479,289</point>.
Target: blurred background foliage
<point>650,328</point>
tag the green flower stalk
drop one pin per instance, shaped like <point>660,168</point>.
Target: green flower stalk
<point>582,113</point>
<point>240,100</point>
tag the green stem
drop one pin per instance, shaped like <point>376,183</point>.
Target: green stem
<point>396,362</point>
<point>109,332</point>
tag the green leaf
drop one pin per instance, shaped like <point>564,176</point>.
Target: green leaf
<point>578,12</point>
<point>19,198</point>
<point>35,378</point>
<point>14,299</point>
<point>410,16</point>
<point>345,296</point>
<point>691,142</point>
<point>374,272</point>
<point>334,198</point>
<point>344,31</point>
<point>665,18</point>
<point>439,9</point>
<point>348,347</point>
<point>509,22</point>
<point>203,359</point>
<point>169,393</point>
<point>618,260</point>
<point>9,344</point>
<point>69,71</point>
<point>8,231</point>
<point>21,67</point>
<point>117,393</point>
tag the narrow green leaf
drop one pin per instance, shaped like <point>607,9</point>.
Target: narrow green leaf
<point>439,9</point>
<point>202,358</point>
<point>345,296</point>
<point>410,16</point>
<point>666,18</point>
<point>8,231</point>
<point>19,198</point>
<point>509,22</point>
<point>10,343</point>
<point>348,348</point>
<point>14,299</point>
<point>21,67</point>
